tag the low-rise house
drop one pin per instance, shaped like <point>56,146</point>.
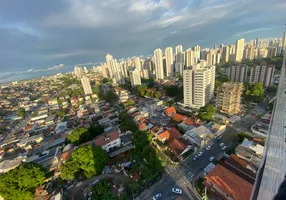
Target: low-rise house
<point>198,136</point>
<point>216,128</point>
<point>170,111</point>
<point>109,140</point>
<point>7,165</point>
<point>50,120</point>
<point>227,185</point>
<point>67,152</point>
<point>178,117</point>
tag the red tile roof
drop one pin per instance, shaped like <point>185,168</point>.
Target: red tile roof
<point>240,161</point>
<point>190,121</point>
<point>177,145</point>
<point>142,126</point>
<point>170,111</point>
<point>178,117</point>
<point>228,182</point>
<point>174,133</point>
<point>101,140</point>
<point>67,154</point>
<point>165,135</point>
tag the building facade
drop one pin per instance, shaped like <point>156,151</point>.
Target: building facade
<point>135,78</point>
<point>198,86</point>
<point>86,85</point>
<point>169,62</point>
<point>158,60</point>
<point>239,47</point>
<point>237,73</point>
<point>228,98</point>
<point>262,74</point>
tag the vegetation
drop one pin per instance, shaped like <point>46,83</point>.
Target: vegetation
<point>87,159</point>
<point>272,89</point>
<point>143,90</point>
<point>35,114</point>
<point>222,78</point>
<point>149,82</point>
<point>126,123</point>
<point>175,91</point>
<point>102,191</point>
<point>21,112</point>
<point>253,92</point>
<point>207,112</point>
<point>61,113</point>
<point>81,135</point>
<point>21,182</point>
<point>200,186</point>
<point>106,80</point>
<point>129,102</point>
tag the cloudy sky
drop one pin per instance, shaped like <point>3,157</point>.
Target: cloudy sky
<point>38,35</point>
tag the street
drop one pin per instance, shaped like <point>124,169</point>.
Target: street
<point>183,175</point>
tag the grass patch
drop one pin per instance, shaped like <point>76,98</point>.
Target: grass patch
<point>200,186</point>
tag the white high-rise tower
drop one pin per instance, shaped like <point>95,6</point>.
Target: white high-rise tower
<point>158,61</point>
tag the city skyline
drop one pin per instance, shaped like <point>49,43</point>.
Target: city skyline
<point>34,38</point>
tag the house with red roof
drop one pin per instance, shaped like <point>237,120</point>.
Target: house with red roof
<point>108,140</point>
<point>227,185</point>
<point>170,111</point>
<point>178,117</point>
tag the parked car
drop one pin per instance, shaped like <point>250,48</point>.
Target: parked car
<point>221,144</point>
<point>224,147</point>
<point>212,159</point>
<point>94,182</point>
<point>157,196</point>
<point>208,147</point>
<point>200,153</point>
<point>177,190</point>
<point>218,138</point>
<point>195,157</point>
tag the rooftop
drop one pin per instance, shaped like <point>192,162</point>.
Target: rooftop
<point>106,138</point>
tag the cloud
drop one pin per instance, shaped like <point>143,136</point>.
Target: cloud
<point>37,34</point>
<point>56,67</point>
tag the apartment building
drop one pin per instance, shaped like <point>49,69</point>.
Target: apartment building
<point>237,73</point>
<point>135,77</point>
<point>262,74</point>
<point>228,98</point>
<point>198,85</point>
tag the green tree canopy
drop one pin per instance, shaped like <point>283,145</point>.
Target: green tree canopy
<point>110,97</point>
<point>102,191</point>
<point>61,113</point>
<point>76,135</point>
<point>95,130</point>
<point>87,159</point>
<point>253,92</point>
<point>21,112</point>
<point>21,182</point>
<point>174,91</point>
<point>207,112</point>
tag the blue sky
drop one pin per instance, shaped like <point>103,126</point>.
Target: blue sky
<point>37,35</point>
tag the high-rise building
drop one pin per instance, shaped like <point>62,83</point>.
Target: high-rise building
<point>232,52</point>
<point>86,85</point>
<point>114,70</point>
<point>225,54</point>
<point>272,51</point>
<point>262,74</point>
<point>262,53</point>
<point>239,46</point>
<point>138,64</point>
<point>284,42</point>
<point>135,77</point>
<point>189,57</point>
<point>78,71</point>
<point>158,61</point>
<point>169,62</point>
<point>85,70</point>
<point>179,49</point>
<point>249,52</point>
<point>124,68</point>
<point>237,73</point>
<point>197,53</point>
<point>199,85</point>
<point>228,98</point>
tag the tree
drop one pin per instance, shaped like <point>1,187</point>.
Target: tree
<point>157,95</point>
<point>102,191</point>
<point>111,97</point>
<point>207,112</point>
<point>21,112</point>
<point>21,182</point>
<point>69,170</point>
<point>61,113</point>
<point>253,92</point>
<point>76,135</point>
<point>129,102</point>
<point>95,130</point>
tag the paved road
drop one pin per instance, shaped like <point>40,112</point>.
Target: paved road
<point>182,176</point>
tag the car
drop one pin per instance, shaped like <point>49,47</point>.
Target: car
<point>94,182</point>
<point>200,153</point>
<point>221,144</point>
<point>157,196</point>
<point>195,157</point>
<point>224,147</point>
<point>218,138</point>
<point>211,158</point>
<point>177,190</point>
<point>208,147</point>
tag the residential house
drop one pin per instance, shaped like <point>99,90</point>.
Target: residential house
<point>198,136</point>
<point>170,111</point>
<point>109,140</point>
<point>50,120</point>
<point>227,185</point>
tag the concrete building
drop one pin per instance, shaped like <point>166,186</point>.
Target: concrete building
<point>109,140</point>
<point>86,85</point>
<point>262,74</point>
<point>114,70</point>
<point>272,52</point>
<point>138,64</point>
<point>198,86</point>
<point>189,57</point>
<point>225,54</point>
<point>78,71</point>
<point>228,98</point>
<point>239,47</point>
<point>169,62</point>
<point>158,60</point>
<point>179,49</point>
<point>197,52</point>
<point>284,42</point>
<point>249,52</point>
<point>198,136</point>
<point>135,77</point>
<point>179,60</point>
<point>237,73</point>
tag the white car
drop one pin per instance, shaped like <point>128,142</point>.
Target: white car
<point>200,153</point>
<point>177,190</point>
<point>208,147</point>
<point>157,196</point>
<point>224,147</point>
<point>221,144</point>
<point>212,159</point>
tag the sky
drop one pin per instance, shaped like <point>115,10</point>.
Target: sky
<point>52,36</point>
